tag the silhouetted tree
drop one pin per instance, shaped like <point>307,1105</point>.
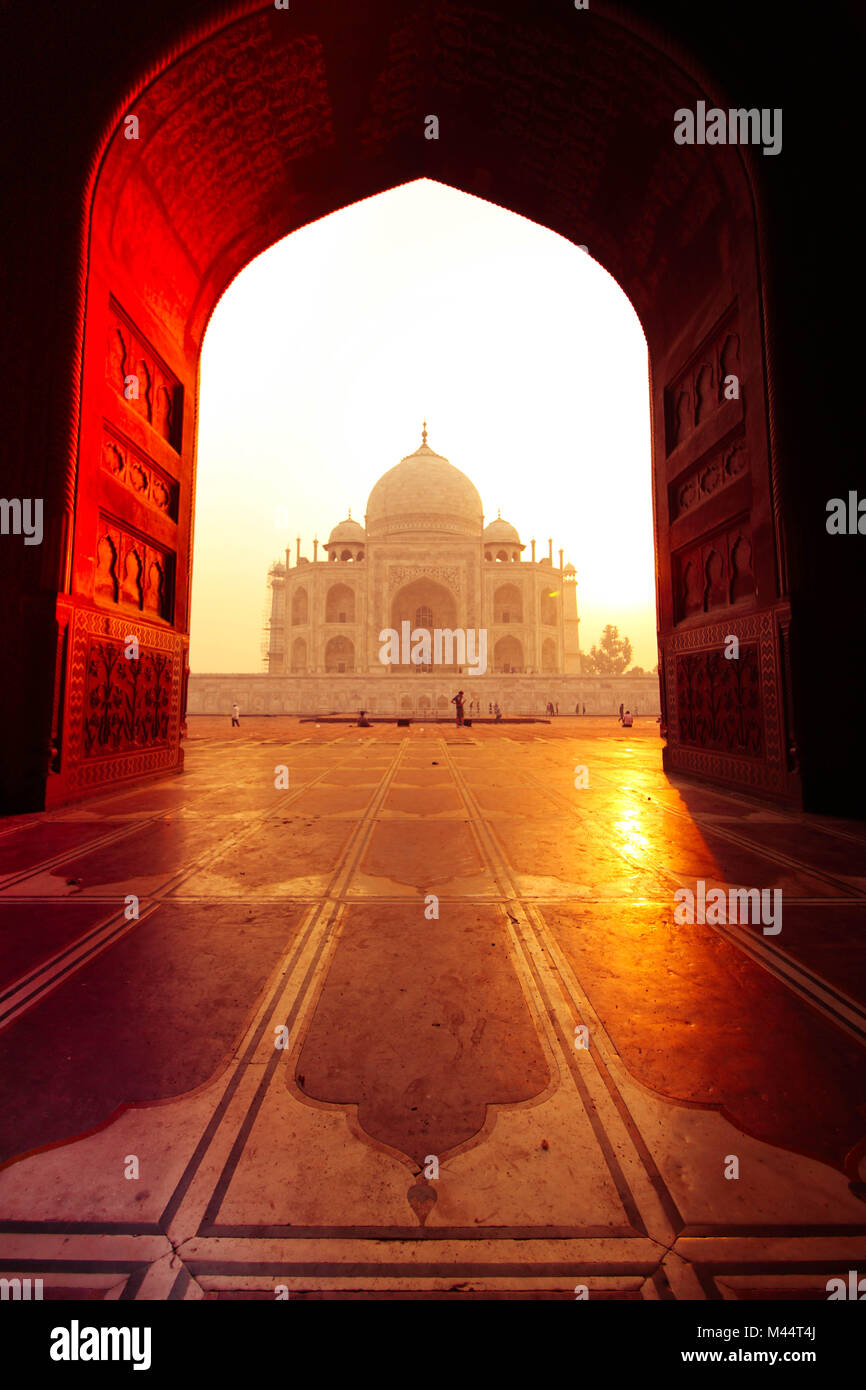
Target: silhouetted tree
<point>610,657</point>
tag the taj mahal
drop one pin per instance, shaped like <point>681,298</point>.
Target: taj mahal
<point>423,560</point>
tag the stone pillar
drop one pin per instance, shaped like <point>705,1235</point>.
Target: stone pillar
<point>561,653</point>
<point>571,650</point>
<point>317,663</point>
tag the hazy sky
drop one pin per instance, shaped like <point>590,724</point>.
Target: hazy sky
<point>327,352</point>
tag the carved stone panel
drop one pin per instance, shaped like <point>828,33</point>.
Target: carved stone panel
<point>139,375</point>
<point>719,701</point>
<point>725,718</point>
<point>132,571</point>
<point>126,463</point>
<point>449,575</point>
<point>710,475</point>
<point>698,390</point>
<point>126,701</point>
<point>714,572</point>
<point>121,716</point>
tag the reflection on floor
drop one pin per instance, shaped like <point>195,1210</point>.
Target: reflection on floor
<point>422,1023</point>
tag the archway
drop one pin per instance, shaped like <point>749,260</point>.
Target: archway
<point>299,656</point>
<point>424,598</point>
<point>549,610</point>
<point>508,604</point>
<point>300,608</point>
<point>427,604</point>
<point>339,655</point>
<point>175,213</point>
<point>340,604</point>
<point>508,655</point>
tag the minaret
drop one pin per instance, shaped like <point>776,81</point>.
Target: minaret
<point>571,622</point>
<point>276,639</point>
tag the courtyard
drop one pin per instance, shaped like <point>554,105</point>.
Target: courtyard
<point>399,1012</point>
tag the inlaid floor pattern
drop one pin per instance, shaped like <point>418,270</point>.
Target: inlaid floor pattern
<point>421,1024</point>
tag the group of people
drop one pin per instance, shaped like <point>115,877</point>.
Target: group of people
<point>475,705</point>
<point>626,718</point>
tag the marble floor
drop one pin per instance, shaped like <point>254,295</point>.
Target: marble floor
<point>406,1013</point>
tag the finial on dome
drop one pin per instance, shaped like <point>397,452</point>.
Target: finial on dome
<point>350,514</point>
<point>424,433</point>
<point>498,513</point>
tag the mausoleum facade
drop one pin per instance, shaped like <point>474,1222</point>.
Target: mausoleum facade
<point>423,556</point>
<point>423,561</point>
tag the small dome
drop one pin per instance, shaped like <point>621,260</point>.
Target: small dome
<point>347,531</point>
<point>569,569</point>
<point>500,530</point>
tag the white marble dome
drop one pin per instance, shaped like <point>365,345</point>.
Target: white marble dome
<point>347,532</point>
<point>424,492</point>
<point>501,532</point>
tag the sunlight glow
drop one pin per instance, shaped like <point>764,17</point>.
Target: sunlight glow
<point>327,352</point>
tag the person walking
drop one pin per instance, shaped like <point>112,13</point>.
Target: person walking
<point>584,709</point>
<point>557,707</point>
<point>497,712</point>
<point>236,716</point>
<point>457,701</point>
<point>620,714</point>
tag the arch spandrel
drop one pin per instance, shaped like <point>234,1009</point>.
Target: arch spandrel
<point>226,189</point>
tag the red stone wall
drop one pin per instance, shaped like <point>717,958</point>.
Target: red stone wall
<point>250,130</point>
